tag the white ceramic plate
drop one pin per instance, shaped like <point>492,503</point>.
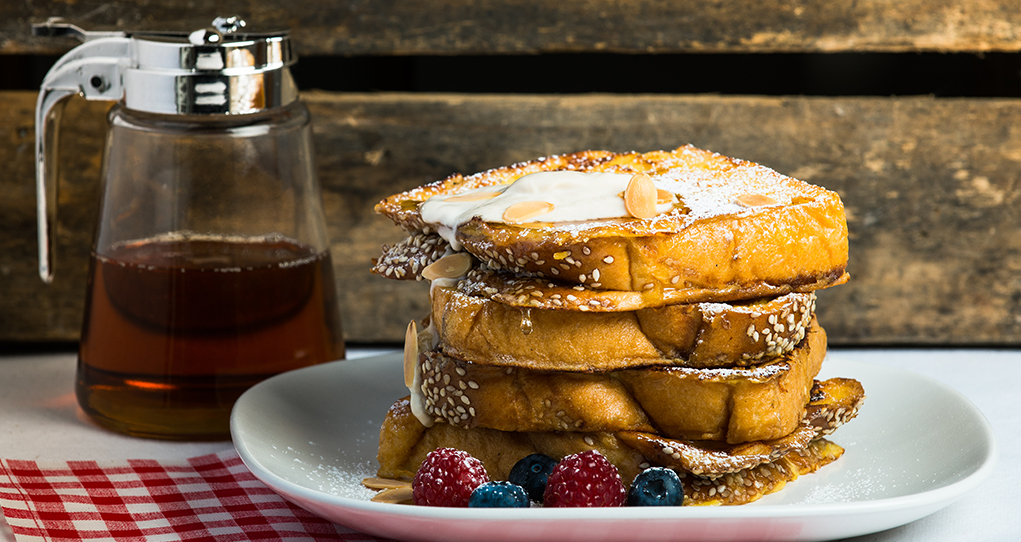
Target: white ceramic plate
<point>916,446</point>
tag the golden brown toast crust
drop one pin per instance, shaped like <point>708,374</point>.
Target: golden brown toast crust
<point>735,405</point>
<point>834,402</point>
<point>697,335</point>
<point>712,248</point>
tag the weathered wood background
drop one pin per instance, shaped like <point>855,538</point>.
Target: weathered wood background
<point>931,185</point>
<point>349,27</point>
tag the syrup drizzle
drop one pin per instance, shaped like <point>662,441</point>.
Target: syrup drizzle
<point>526,321</point>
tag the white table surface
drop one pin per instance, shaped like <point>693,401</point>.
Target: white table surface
<point>40,419</point>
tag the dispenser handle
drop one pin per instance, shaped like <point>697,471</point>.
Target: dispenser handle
<point>93,70</point>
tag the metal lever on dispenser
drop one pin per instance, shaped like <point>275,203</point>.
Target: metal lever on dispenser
<point>93,70</point>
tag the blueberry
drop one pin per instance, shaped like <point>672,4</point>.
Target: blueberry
<point>656,487</point>
<point>531,473</point>
<point>498,495</point>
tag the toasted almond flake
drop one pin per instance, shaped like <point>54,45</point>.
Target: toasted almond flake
<point>662,196</point>
<point>524,211</point>
<point>477,196</point>
<point>755,200</point>
<point>448,267</point>
<point>640,196</point>
<point>402,495</point>
<point>384,483</point>
<point>410,354</point>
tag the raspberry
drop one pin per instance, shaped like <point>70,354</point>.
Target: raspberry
<point>584,480</point>
<point>447,477</point>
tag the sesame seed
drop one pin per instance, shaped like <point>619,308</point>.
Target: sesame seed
<point>608,260</point>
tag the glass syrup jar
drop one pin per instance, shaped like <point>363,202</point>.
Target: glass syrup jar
<point>210,266</point>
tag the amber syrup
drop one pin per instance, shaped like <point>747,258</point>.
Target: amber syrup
<point>177,328</point>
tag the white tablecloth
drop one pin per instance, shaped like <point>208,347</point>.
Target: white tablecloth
<point>40,419</point>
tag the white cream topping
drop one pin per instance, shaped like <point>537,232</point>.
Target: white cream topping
<point>418,401</point>
<point>575,196</point>
<point>417,397</point>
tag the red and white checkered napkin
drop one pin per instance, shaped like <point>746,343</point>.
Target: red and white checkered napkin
<point>212,497</point>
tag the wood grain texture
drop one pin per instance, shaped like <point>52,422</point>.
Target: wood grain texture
<point>930,186</point>
<point>494,26</point>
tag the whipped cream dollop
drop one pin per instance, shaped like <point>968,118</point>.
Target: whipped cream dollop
<point>575,196</point>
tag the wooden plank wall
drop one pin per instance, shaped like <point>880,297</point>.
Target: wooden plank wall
<point>349,27</point>
<point>930,184</point>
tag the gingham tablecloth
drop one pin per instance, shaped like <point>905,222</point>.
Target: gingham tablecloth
<point>206,498</point>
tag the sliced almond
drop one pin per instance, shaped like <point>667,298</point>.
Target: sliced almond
<point>384,483</point>
<point>450,266</point>
<point>410,354</point>
<point>401,495</point>
<point>797,200</point>
<point>640,196</point>
<point>474,196</point>
<point>662,196</point>
<point>755,200</point>
<point>523,211</point>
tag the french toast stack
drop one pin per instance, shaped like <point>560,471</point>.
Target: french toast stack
<point>656,307</point>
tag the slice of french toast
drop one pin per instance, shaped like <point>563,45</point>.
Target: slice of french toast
<point>699,335</point>
<point>736,230</point>
<point>711,474</point>
<point>733,405</point>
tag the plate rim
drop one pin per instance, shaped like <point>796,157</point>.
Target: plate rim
<point>930,500</point>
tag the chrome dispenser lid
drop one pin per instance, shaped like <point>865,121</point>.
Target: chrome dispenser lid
<point>218,70</point>
<point>212,71</point>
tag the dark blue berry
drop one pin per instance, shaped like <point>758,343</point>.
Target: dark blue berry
<point>531,473</point>
<point>498,495</point>
<point>656,487</point>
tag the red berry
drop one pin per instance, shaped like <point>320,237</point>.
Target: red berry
<point>585,479</point>
<point>447,477</point>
